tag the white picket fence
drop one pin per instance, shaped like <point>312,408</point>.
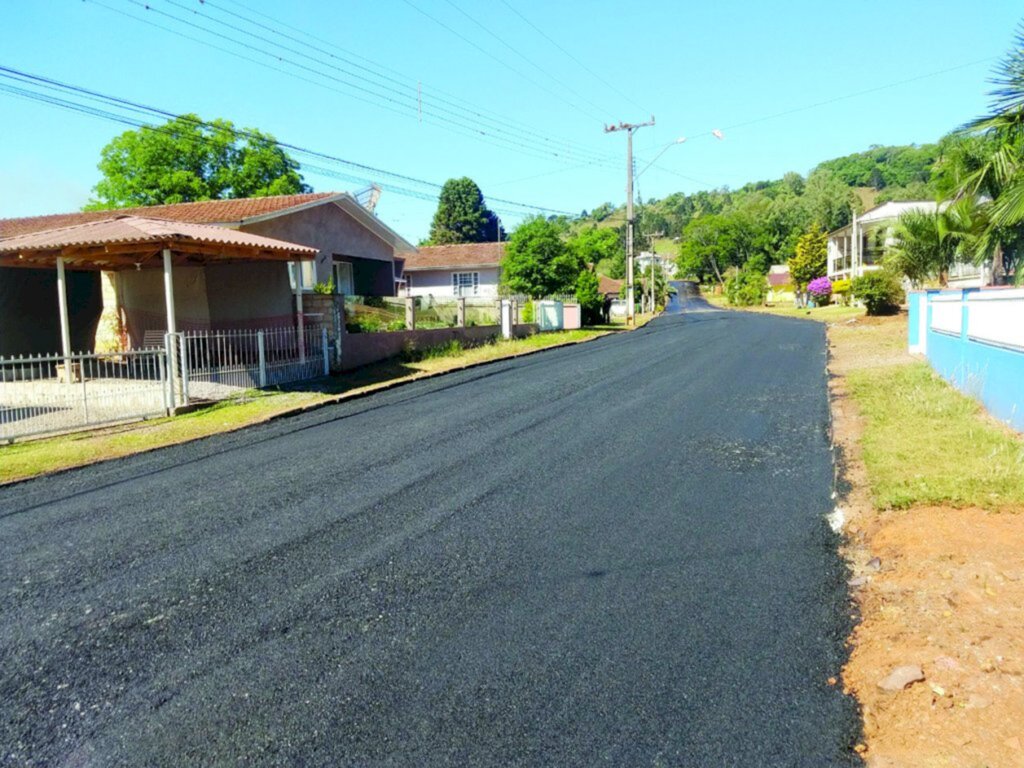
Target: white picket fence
<point>47,394</point>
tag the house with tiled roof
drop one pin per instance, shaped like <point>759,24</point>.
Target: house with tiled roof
<point>354,248</point>
<point>466,269</point>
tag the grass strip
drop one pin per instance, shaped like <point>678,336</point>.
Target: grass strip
<point>926,443</point>
<point>22,460</point>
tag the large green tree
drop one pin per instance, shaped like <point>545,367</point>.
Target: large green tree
<point>537,260</point>
<point>602,247</point>
<point>189,159</point>
<point>708,248</point>
<point>462,216</point>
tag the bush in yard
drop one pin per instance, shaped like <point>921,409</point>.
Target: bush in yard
<point>820,289</point>
<point>526,314</point>
<point>588,294</point>
<point>841,291</point>
<point>747,286</point>
<point>880,291</point>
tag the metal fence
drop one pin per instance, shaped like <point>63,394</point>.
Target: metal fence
<point>47,394</point>
<point>43,394</point>
<point>216,365</point>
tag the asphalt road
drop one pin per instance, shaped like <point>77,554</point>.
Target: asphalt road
<point>610,554</point>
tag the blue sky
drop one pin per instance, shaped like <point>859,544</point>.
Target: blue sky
<point>790,84</point>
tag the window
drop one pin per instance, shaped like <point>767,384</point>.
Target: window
<point>343,278</point>
<point>306,271</point>
<point>465,283</point>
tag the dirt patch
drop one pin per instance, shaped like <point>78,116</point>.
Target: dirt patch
<point>938,588</point>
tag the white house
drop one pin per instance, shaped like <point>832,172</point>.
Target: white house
<point>667,265</point>
<point>859,246</point>
<point>468,269</point>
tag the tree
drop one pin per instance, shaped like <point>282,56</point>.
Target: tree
<point>188,159</point>
<point>925,246</point>
<point>993,173</point>
<point>829,201</point>
<point>462,216</point>
<point>709,247</point>
<point>537,261</point>
<point>602,247</point>
<point>588,294</point>
<point>811,257</point>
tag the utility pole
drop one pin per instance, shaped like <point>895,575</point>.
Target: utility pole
<point>629,128</point>
<point>654,260</point>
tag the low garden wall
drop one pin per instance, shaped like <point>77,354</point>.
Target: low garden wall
<point>974,339</point>
<point>359,349</point>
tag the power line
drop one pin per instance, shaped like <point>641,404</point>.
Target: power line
<point>474,109</point>
<point>368,172</point>
<point>406,95</point>
<point>555,43</point>
<point>398,107</point>
<point>490,55</point>
<point>516,51</point>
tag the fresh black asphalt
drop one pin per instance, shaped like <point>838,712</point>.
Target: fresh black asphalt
<point>608,554</point>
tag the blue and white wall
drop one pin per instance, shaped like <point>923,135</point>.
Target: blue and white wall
<point>975,340</point>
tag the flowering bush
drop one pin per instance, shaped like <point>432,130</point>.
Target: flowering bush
<point>820,288</point>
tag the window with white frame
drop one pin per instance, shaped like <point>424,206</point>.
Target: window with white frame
<point>465,283</point>
<point>306,271</point>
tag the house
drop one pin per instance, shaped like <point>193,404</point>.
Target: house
<point>611,290</point>
<point>466,269</point>
<point>352,247</point>
<point>667,265</point>
<point>859,246</point>
<point>780,284</point>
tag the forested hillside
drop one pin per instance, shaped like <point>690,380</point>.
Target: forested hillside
<point>712,230</point>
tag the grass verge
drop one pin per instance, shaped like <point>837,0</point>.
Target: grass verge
<point>830,314</point>
<point>926,443</point>
<point>31,458</point>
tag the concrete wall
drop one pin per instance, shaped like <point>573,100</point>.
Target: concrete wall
<point>249,295</point>
<point>438,282</point>
<point>359,349</point>
<point>30,316</point>
<point>330,230</point>
<point>145,309</point>
<point>219,296</point>
<point>975,340</point>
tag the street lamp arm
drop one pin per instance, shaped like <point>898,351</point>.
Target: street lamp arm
<point>664,149</point>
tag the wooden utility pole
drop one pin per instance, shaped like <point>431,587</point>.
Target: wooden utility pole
<point>629,128</point>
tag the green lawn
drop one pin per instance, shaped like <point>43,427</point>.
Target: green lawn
<point>926,443</point>
<point>833,313</point>
<point>34,457</point>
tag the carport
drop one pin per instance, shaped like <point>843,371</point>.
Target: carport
<point>125,242</point>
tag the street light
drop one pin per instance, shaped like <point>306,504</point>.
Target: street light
<point>664,149</point>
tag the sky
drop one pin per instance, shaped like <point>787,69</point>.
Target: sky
<point>515,94</point>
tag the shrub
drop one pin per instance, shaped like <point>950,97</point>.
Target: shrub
<point>820,289</point>
<point>325,289</point>
<point>840,287</point>
<point>526,315</point>
<point>746,288</point>
<point>880,291</point>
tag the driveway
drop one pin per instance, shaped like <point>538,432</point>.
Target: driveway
<point>609,554</point>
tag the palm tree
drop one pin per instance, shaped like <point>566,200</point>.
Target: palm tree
<point>986,164</point>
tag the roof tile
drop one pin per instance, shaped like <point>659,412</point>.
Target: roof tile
<point>204,212</point>
<point>449,256</point>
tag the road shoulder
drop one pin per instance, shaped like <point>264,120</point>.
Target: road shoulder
<point>939,586</point>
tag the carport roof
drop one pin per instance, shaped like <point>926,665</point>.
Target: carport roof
<point>123,242</point>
